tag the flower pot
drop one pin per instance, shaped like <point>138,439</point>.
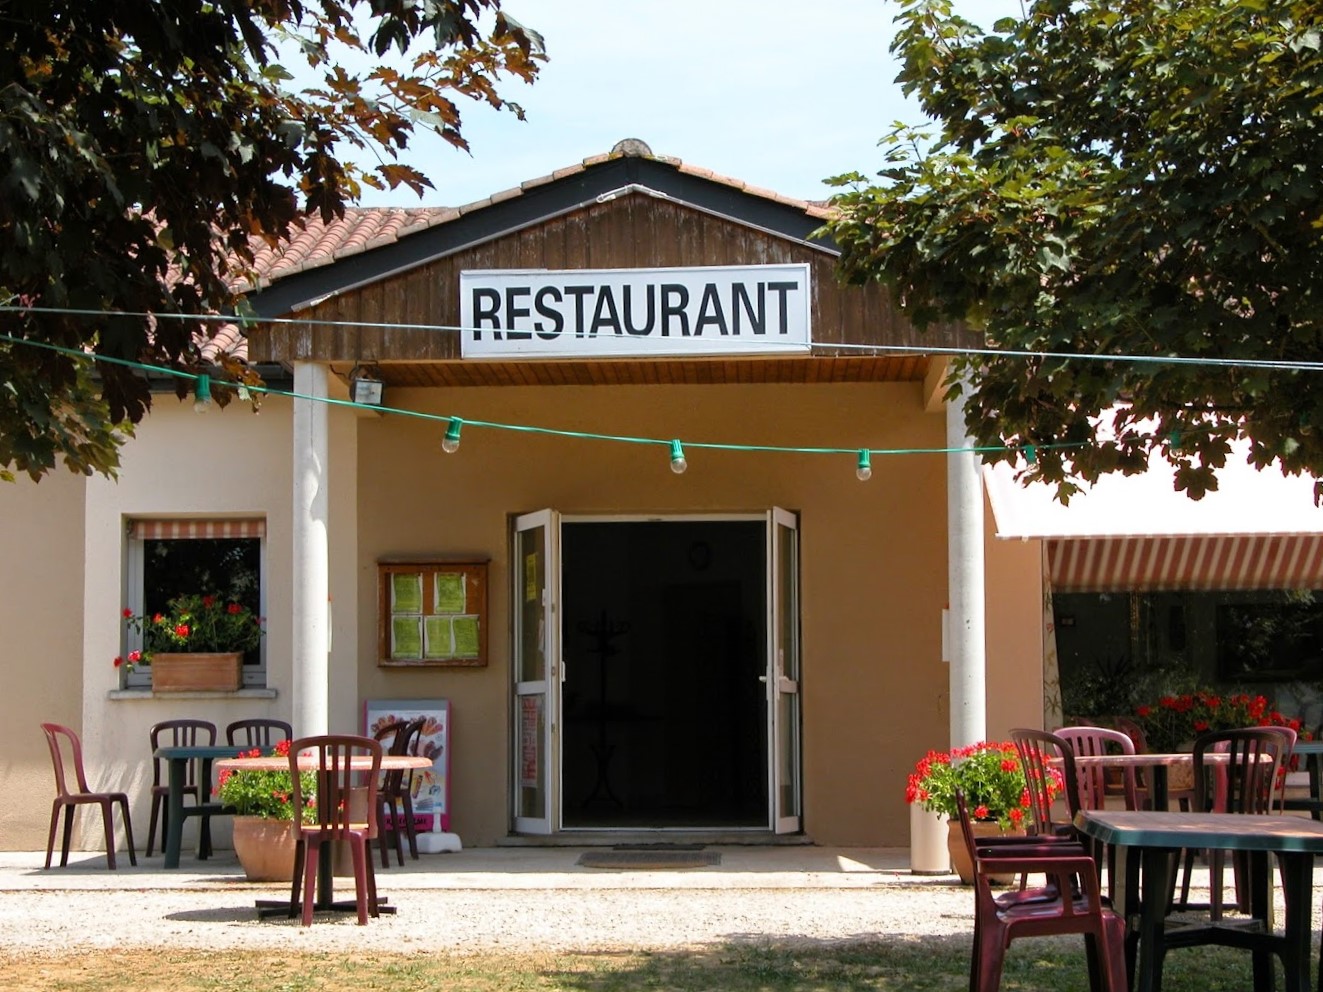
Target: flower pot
<point>202,672</point>
<point>961,862</point>
<point>265,848</point>
<point>928,853</point>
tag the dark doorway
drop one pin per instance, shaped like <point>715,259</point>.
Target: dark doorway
<point>665,714</point>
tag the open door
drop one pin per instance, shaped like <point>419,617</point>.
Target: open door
<point>537,671</point>
<point>783,669</point>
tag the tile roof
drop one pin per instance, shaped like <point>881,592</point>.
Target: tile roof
<point>364,228</point>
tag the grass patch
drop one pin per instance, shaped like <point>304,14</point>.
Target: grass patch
<point>893,965</point>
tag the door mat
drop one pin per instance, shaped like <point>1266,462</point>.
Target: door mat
<point>649,860</point>
<point>658,846</point>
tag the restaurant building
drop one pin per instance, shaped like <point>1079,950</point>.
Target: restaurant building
<point>757,647</point>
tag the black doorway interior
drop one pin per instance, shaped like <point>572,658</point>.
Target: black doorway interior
<point>665,716</point>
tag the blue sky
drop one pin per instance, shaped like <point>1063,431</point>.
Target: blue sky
<point>780,95</point>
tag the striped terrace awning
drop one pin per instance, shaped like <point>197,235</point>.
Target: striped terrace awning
<point>1204,563</point>
<point>1259,530</point>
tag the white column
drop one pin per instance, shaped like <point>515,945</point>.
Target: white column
<point>311,620</point>
<point>964,527</point>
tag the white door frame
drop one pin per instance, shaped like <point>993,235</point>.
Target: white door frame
<point>783,713</point>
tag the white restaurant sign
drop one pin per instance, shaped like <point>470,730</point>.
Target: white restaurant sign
<point>585,313</point>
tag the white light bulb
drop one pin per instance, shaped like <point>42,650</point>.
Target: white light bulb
<point>863,473</point>
<point>450,445</point>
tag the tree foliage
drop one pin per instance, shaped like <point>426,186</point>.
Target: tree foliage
<point>147,145</point>
<point>1121,179</point>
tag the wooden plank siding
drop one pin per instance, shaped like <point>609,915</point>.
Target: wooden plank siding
<point>631,231</point>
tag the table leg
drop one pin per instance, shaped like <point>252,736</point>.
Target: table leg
<point>174,811</point>
<point>204,797</point>
<point>1158,782</point>
<point>1260,907</point>
<point>1297,895</point>
<point>1157,871</point>
<point>1314,765</point>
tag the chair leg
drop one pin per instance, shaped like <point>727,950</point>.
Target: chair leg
<point>296,883</point>
<point>381,834</point>
<point>373,908</point>
<point>358,848</point>
<point>157,803</point>
<point>69,811</point>
<point>128,828</point>
<point>409,830</point>
<point>50,839</point>
<point>108,827</point>
<point>310,880</point>
<point>992,952</point>
<point>397,834</point>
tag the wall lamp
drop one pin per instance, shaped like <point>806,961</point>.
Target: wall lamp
<point>364,387</point>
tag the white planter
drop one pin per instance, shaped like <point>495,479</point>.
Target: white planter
<point>928,851</point>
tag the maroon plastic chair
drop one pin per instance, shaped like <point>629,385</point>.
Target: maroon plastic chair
<point>396,791</point>
<point>1086,740</point>
<point>59,737</point>
<point>339,785</point>
<point>258,731</point>
<point>1082,910</point>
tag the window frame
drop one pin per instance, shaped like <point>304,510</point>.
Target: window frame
<point>135,574</point>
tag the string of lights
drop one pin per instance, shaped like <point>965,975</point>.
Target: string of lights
<point>676,447</point>
<point>1292,365</point>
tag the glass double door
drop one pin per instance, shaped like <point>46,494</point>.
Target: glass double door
<point>656,672</point>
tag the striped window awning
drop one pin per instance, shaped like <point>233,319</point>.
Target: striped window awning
<point>1202,563</point>
<point>194,529</point>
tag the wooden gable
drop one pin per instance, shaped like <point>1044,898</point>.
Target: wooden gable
<point>399,313</point>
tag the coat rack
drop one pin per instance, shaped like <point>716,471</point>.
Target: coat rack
<point>605,632</point>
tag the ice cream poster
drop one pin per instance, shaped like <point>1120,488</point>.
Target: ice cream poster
<point>431,786</point>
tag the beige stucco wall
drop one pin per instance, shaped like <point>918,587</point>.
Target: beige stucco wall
<point>873,558</point>
<point>873,573</point>
<point>228,463</point>
<point>41,614</point>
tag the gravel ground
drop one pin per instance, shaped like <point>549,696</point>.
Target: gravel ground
<point>490,900</point>
<point>479,920</point>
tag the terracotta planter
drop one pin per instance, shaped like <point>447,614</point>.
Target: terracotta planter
<point>961,863</point>
<point>201,672</point>
<point>265,848</point>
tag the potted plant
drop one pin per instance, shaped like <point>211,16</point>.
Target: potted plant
<point>196,643</point>
<point>992,780</point>
<point>263,807</point>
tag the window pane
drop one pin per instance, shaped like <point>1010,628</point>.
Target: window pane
<point>229,569</point>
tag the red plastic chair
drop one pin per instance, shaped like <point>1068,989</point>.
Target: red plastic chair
<point>258,732</point>
<point>1088,740</point>
<point>58,737</point>
<point>339,785</point>
<point>1000,920</point>
<point>396,791</point>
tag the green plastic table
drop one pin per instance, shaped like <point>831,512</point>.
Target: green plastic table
<point>1156,838</point>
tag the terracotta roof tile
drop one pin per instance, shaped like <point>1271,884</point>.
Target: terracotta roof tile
<point>364,228</point>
